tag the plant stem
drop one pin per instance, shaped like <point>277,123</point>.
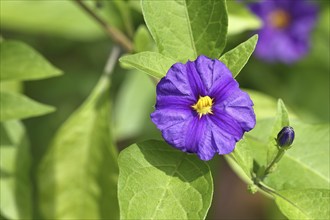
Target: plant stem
<point>112,32</point>
<point>279,155</point>
<point>112,59</point>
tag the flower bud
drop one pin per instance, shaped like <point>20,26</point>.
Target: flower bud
<point>285,137</point>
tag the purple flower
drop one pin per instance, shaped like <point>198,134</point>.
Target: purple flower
<point>200,108</point>
<point>287,25</point>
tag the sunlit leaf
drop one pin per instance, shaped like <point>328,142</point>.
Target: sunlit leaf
<point>158,182</point>
<point>17,106</point>
<point>15,182</point>
<point>236,58</point>
<point>55,18</point>
<point>240,19</point>
<point>308,204</point>
<point>185,29</point>
<point>21,62</point>
<point>152,63</point>
<point>78,176</point>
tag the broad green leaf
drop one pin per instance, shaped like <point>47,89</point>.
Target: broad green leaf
<point>55,18</point>
<point>152,63</point>
<point>236,58</point>
<point>306,164</point>
<point>78,176</point>
<point>17,106</point>
<point>143,40</point>
<point>281,120</point>
<point>184,29</point>
<point>157,181</point>
<point>21,62</point>
<point>309,204</point>
<point>240,19</point>
<point>15,182</point>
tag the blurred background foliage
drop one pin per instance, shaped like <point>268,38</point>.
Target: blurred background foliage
<point>73,42</point>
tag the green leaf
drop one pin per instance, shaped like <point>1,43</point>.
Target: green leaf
<point>240,18</point>
<point>54,18</point>
<point>157,181</point>
<point>136,92</point>
<point>78,175</point>
<point>242,156</point>
<point>185,29</point>
<point>236,58</point>
<point>311,204</point>
<point>15,182</point>
<point>152,63</point>
<point>21,62</point>
<point>17,106</point>
<point>143,40</point>
<point>306,164</point>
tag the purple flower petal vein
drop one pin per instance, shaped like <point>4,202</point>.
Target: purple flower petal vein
<point>201,109</point>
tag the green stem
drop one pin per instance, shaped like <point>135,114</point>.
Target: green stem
<point>279,155</point>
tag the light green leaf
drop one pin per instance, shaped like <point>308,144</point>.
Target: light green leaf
<point>242,156</point>
<point>281,120</point>
<point>78,176</point>
<point>143,40</point>
<point>55,18</point>
<point>240,18</point>
<point>15,182</point>
<point>236,58</point>
<point>136,92</point>
<point>17,106</point>
<point>309,204</point>
<point>21,62</point>
<point>152,63</point>
<point>158,182</point>
<point>306,164</point>
<point>185,29</point>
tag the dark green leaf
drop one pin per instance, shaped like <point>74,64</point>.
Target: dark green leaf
<point>158,182</point>
<point>185,29</point>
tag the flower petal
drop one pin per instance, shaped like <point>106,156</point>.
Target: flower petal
<point>210,70</point>
<point>186,79</point>
<point>167,117</point>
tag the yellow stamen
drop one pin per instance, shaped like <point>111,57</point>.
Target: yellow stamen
<point>279,19</point>
<point>203,106</point>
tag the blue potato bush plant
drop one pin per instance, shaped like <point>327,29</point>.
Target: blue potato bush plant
<point>82,175</point>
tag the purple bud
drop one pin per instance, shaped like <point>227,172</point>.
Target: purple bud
<point>285,137</point>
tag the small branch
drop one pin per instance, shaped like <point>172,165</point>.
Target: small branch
<point>112,60</point>
<point>114,33</point>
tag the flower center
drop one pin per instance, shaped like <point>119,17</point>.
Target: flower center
<point>203,105</point>
<point>279,18</point>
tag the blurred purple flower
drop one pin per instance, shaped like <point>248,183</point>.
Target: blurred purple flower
<point>200,108</point>
<point>287,25</point>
